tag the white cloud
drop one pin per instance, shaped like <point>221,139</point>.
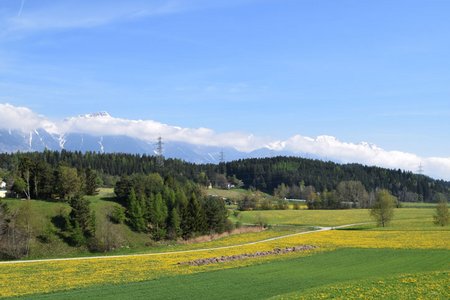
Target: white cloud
<point>149,130</point>
<point>327,147</point>
<point>22,118</point>
<point>331,148</point>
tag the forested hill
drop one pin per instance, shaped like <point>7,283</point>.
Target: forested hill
<point>264,174</point>
<point>267,173</point>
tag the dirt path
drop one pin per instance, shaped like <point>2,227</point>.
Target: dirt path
<point>177,252</point>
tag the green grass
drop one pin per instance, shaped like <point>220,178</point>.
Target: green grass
<point>42,213</point>
<point>307,217</point>
<point>295,275</point>
<point>404,218</point>
<point>418,205</point>
<point>424,285</point>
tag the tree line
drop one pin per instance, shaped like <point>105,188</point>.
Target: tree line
<point>267,174</point>
<point>264,174</point>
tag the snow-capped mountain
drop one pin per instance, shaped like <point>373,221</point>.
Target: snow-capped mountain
<point>39,140</point>
<point>79,134</point>
<point>35,140</point>
<point>21,129</point>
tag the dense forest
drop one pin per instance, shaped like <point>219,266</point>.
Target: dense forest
<point>265,174</point>
<point>169,209</point>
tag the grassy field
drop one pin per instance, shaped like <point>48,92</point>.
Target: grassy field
<point>51,276</point>
<point>388,262</point>
<point>280,277</point>
<point>404,218</point>
<point>42,213</point>
<point>422,285</point>
<point>417,205</point>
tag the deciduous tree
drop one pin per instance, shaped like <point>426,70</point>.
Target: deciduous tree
<point>383,208</point>
<point>442,216</point>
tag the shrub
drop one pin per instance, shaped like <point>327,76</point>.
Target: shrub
<point>117,215</point>
<point>229,226</point>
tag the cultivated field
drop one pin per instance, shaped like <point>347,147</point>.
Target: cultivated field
<point>388,262</point>
<point>315,275</point>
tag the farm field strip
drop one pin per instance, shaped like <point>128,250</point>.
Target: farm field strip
<point>47,276</point>
<point>312,275</point>
<point>330,218</point>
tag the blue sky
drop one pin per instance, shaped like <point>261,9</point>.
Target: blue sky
<point>375,71</point>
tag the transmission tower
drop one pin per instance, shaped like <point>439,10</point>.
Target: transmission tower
<point>222,162</point>
<point>420,169</point>
<point>159,151</point>
<point>221,157</point>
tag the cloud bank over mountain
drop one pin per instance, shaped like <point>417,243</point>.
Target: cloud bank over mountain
<point>325,147</point>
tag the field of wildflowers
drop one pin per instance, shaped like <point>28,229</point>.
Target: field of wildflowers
<point>48,276</point>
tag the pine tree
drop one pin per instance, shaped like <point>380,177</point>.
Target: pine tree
<point>81,221</point>
<point>215,214</point>
<point>135,213</point>
<point>195,218</point>
<point>174,225</point>
<point>158,217</point>
<point>91,184</point>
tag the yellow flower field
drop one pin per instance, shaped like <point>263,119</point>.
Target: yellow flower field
<point>41,277</point>
<point>376,239</point>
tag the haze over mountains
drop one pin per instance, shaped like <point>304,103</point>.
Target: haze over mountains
<point>23,130</point>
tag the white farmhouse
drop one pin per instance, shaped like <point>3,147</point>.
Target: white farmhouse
<point>2,189</point>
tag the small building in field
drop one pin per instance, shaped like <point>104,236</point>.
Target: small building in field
<point>2,189</point>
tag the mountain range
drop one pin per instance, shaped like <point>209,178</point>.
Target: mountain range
<point>39,139</point>
<point>21,129</point>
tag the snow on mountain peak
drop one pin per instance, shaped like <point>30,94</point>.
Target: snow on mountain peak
<point>101,114</point>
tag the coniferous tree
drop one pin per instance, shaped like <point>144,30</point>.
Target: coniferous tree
<point>195,223</point>
<point>174,226</point>
<point>215,214</point>
<point>135,213</point>
<point>158,217</point>
<point>82,220</point>
<point>91,184</point>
